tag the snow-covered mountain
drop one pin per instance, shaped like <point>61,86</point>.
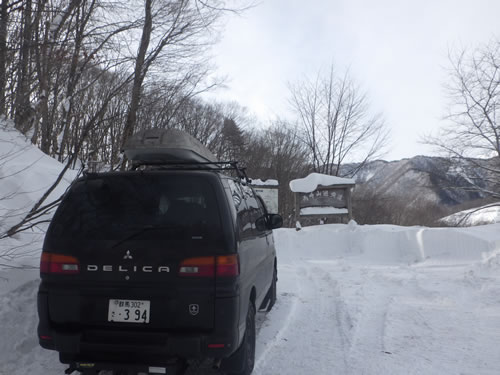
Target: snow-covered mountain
<point>427,178</point>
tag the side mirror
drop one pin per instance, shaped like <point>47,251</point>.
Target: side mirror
<point>269,221</point>
<point>275,221</point>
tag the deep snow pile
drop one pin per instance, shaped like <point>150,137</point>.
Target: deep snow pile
<point>25,174</point>
<point>394,245</point>
<point>352,300</point>
<point>488,214</point>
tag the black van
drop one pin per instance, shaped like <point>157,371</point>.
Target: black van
<point>145,270</point>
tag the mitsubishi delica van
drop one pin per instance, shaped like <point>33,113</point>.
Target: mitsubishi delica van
<point>150,269</point>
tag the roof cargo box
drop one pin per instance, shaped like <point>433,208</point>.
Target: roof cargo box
<point>166,145</point>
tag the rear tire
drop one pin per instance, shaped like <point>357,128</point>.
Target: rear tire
<point>273,291</point>
<point>244,357</point>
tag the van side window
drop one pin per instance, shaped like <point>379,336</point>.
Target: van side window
<point>239,201</point>
<point>261,203</point>
<point>236,194</point>
<point>255,209</point>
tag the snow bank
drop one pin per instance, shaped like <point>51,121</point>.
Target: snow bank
<point>25,174</point>
<point>488,214</point>
<point>388,244</point>
<point>311,182</point>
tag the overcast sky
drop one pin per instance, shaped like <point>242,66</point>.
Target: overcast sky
<point>395,49</point>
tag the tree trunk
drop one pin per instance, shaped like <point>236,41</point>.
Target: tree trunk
<point>43,67</point>
<point>4,19</point>
<point>139,74</point>
<point>22,108</point>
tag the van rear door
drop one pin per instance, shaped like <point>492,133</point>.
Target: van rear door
<point>132,236</point>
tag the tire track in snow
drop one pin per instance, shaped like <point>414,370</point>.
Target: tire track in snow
<point>315,334</point>
<point>375,298</point>
<point>367,340</point>
<point>267,337</point>
<point>21,354</point>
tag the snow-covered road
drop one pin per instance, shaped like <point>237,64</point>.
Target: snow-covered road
<point>352,300</point>
<point>338,319</point>
<point>340,312</point>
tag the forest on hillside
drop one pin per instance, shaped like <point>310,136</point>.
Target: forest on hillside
<point>79,77</point>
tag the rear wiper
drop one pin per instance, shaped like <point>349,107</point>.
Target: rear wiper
<point>143,229</point>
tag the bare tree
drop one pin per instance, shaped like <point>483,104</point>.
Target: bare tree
<point>336,123</point>
<point>70,67</point>
<point>202,120</point>
<point>41,207</point>
<point>23,111</point>
<point>174,36</point>
<point>277,153</point>
<point>4,20</point>
<point>471,136</point>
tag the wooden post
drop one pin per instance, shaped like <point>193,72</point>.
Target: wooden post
<point>349,202</point>
<point>297,208</point>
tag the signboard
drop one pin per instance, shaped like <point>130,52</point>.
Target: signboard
<point>327,204</point>
<point>324,197</point>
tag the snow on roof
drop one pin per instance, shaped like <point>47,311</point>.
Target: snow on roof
<point>488,214</point>
<point>311,182</point>
<point>269,182</point>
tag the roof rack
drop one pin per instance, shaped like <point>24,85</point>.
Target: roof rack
<point>190,165</point>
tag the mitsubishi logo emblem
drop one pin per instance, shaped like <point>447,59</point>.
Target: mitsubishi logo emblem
<point>127,255</point>
<point>194,309</point>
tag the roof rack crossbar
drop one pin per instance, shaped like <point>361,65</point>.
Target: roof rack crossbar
<point>183,165</point>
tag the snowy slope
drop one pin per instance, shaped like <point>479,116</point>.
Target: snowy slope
<point>25,174</point>
<point>488,214</point>
<point>352,300</point>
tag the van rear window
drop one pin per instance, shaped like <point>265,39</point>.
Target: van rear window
<point>139,206</point>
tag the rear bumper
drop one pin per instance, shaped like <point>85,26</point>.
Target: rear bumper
<point>122,345</point>
<point>75,347</point>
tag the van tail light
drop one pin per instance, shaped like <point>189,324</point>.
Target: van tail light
<point>220,266</point>
<point>57,263</point>
<point>228,265</point>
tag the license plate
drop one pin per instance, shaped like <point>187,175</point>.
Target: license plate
<point>128,311</point>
